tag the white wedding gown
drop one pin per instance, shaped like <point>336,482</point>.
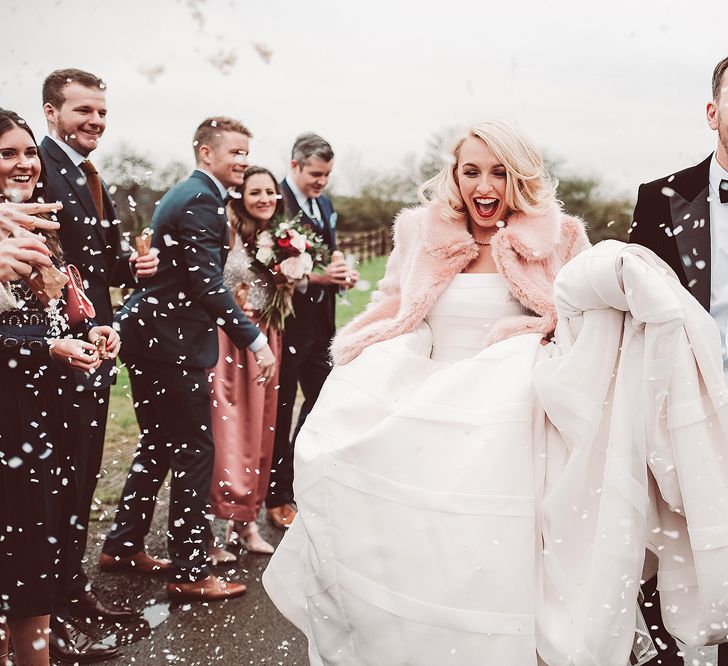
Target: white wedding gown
<point>417,476</point>
<point>468,506</point>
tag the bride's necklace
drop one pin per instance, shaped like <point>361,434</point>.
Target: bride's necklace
<point>481,242</point>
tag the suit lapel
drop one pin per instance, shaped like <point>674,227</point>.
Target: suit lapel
<point>293,208</point>
<point>79,193</point>
<point>690,213</point>
<point>69,171</point>
<point>225,231</point>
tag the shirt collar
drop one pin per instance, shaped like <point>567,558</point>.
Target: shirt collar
<point>73,155</point>
<point>717,173</point>
<point>300,197</point>
<point>218,184</point>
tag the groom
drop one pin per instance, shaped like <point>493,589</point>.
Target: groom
<point>684,219</point>
<point>170,336</point>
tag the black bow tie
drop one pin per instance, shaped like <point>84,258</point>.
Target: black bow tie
<point>723,191</point>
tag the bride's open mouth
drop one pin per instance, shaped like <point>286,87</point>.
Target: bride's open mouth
<point>486,207</point>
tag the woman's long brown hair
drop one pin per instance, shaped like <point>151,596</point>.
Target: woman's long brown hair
<point>8,121</point>
<point>245,226</point>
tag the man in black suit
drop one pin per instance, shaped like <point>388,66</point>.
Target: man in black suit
<point>684,219</point>
<point>169,328</point>
<point>308,331</point>
<point>74,103</point>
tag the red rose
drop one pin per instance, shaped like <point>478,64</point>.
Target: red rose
<point>284,242</point>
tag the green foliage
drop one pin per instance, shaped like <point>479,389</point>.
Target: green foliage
<point>606,217</point>
<point>137,184</point>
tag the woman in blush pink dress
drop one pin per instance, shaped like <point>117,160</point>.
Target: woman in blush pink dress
<point>243,411</point>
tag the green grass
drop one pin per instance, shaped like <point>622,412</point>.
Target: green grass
<point>122,431</point>
<point>370,273</point>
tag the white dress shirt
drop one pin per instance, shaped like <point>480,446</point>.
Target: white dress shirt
<point>719,256</point>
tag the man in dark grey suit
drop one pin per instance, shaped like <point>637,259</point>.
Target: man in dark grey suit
<point>74,103</point>
<point>169,328</point>
<point>683,218</point>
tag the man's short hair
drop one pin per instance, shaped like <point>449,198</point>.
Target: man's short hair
<point>310,145</point>
<point>56,82</point>
<point>209,131</point>
<point>718,72</point>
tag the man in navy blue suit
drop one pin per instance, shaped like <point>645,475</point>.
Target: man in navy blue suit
<point>308,332</point>
<point>169,328</point>
<point>74,103</point>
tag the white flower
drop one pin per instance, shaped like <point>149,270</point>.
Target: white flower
<point>264,255</point>
<point>297,241</point>
<point>296,267</point>
<point>265,239</point>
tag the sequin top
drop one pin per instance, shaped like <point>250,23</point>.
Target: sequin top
<point>238,269</point>
<point>27,328</point>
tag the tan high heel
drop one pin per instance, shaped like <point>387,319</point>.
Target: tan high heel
<point>219,555</point>
<point>248,534</point>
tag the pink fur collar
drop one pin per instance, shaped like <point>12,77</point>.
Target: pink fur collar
<point>533,237</point>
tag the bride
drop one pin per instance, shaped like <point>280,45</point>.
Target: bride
<point>449,479</point>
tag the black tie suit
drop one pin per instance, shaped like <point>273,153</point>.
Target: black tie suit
<point>672,218</point>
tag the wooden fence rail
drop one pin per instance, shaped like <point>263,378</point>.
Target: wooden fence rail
<point>366,245</point>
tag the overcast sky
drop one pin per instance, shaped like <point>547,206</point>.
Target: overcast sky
<point>616,90</point>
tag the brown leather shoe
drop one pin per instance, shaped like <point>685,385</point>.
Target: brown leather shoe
<point>90,605</point>
<point>211,588</point>
<point>140,562</point>
<point>69,645</point>
<point>281,516</point>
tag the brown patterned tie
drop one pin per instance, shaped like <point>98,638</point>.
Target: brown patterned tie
<point>93,181</point>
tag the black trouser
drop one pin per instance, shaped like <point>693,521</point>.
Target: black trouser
<point>307,362</point>
<point>172,406</point>
<point>667,648</point>
<point>88,425</point>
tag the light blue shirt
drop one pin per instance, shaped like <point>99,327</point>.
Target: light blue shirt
<point>302,200</point>
<point>223,190</point>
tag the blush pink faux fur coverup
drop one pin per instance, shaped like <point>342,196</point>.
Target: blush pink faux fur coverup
<point>429,251</point>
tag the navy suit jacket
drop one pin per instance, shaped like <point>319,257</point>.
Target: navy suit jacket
<point>174,315</point>
<point>314,311</point>
<point>93,246</point>
<point>672,218</point>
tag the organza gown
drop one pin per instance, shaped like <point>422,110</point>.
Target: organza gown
<point>415,541</point>
<point>472,507</point>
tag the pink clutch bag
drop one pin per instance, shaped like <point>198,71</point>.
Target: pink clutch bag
<point>78,306</point>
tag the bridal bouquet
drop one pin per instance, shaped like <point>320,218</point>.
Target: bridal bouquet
<point>289,252</point>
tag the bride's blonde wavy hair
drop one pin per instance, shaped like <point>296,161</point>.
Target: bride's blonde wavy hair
<point>529,187</point>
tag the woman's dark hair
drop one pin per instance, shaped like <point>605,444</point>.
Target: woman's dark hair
<point>8,121</point>
<point>242,223</point>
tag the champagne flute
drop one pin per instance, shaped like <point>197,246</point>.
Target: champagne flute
<point>351,262</point>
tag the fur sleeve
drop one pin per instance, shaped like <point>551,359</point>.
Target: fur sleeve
<point>349,342</point>
<point>532,279</point>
